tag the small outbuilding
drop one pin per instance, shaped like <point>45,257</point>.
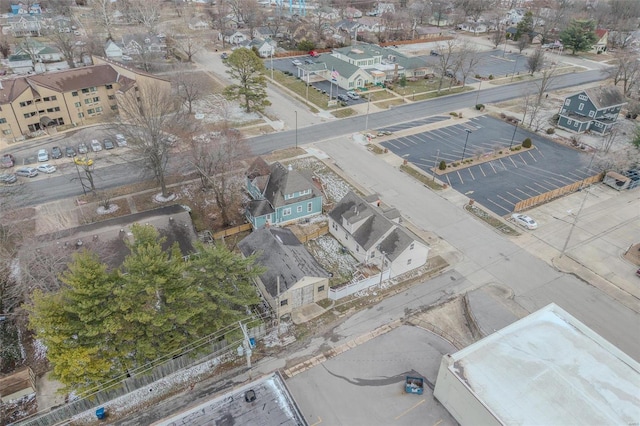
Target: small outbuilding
<point>17,385</point>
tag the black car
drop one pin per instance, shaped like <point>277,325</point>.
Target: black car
<point>56,152</point>
<point>70,152</point>
<point>434,53</point>
<point>108,144</point>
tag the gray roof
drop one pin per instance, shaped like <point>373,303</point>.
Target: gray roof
<point>605,97</point>
<point>346,24</point>
<point>259,208</point>
<point>284,181</point>
<point>283,255</point>
<point>345,69</point>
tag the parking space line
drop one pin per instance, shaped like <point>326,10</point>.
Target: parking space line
<point>500,205</point>
<point>414,140</point>
<point>412,408</point>
<point>513,195</point>
<point>524,193</point>
<point>482,170</point>
<point>448,180</point>
<point>533,157</point>
<point>493,168</point>
<point>318,422</point>
<point>460,177</point>
<point>533,189</point>
<point>539,151</point>
<point>513,162</point>
<point>545,189</point>
<point>471,173</point>
<point>523,160</point>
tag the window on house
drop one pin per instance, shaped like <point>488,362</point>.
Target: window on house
<point>96,99</point>
<point>109,86</point>
<point>3,120</point>
<point>98,109</point>
<point>567,102</point>
<point>93,89</point>
<point>78,104</point>
<point>575,124</point>
<point>409,262</point>
<point>320,289</point>
<point>309,207</point>
<point>74,93</point>
<point>582,97</point>
<point>299,209</point>
<point>286,212</point>
<point>25,103</point>
<point>112,97</point>
<point>87,101</point>
<point>288,196</point>
<point>580,107</point>
<point>284,302</point>
<point>38,100</point>
<point>569,122</point>
<point>411,246</point>
<point>41,111</point>
<point>592,114</point>
<point>6,132</point>
<point>60,121</point>
<point>346,236</point>
<point>85,90</point>
<point>91,111</point>
<point>268,217</point>
<point>114,107</point>
<point>80,115</point>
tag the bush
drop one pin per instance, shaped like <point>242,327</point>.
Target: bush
<point>551,131</point>
<point>503,115</point>
<point>490,76</point>
<point>526,143</point>
<point>517,148</point>
<point>442,165</point>
<point>478,76</point>
<point>453,114</point>
<point>480,107</point>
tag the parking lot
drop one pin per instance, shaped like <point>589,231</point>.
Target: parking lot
<point>497,184</point>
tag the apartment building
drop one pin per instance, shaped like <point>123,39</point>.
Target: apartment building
<point>47,101</point>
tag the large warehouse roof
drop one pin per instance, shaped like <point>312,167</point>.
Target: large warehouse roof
<point>549,368</point>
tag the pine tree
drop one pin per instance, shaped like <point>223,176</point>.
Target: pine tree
<point>247,68</point>
<point>579,36</point>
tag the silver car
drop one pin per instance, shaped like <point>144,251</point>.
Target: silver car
<point>27,172</point>
<point>96,145</point>
<point>524,221</point>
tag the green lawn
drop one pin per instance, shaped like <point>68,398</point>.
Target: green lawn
<point>299,87</point>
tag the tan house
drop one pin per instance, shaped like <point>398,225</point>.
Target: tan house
<point>33,103</point>
<point>293,278</point>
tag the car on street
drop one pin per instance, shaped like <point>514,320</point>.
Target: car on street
<point>83,161</point>
<point>343,98</point>
<point>46,168</point>
<point>108,144</point>
<point>96,145</point>
<point>121,140</point>
<point>8,178</point>
<point>7,160</point>
<point>524,221</point>
<point>82,148</point>
<point>224,55</point>
<point>353,95</point>
<point>296,62</point>
<point>27,172</point>
<point>69,151</point>
<point>43,155</point>
<point>56,152</point>
<point>434,53</point>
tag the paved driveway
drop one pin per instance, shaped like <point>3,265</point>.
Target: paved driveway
<point>499,184</point>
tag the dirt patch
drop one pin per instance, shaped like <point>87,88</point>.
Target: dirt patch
<point>633,254</point>
<point>89,213</point>
<point>448,321</point>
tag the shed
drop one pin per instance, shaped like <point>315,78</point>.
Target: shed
<point>17,385</point>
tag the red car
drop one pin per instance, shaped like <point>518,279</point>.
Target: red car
<point>314,54</point>
<point>7,161</point>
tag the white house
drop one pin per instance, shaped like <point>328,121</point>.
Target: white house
<point>198,23</point>
<point>233,36</point>
<point>375,236</point>
<point>112,50</point>
<point>265,47</point>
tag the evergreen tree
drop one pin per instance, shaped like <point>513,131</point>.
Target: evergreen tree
<point>525,26</point>
<point>579,36</point>
<point>247,68</point>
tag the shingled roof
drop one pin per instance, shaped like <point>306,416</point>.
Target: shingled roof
<point>283,181</point>
<point>605,97</point>
<point>283,255</point>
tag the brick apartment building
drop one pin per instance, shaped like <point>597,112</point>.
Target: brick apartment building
<point>65,98</point>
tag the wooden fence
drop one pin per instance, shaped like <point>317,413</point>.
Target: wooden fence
<point>318,232</point>
<point>548,196</point>
<point>428,38</point>
<point>231,231</point>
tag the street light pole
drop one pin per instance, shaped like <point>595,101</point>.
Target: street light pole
<point>434,172</point>
<point>296,129</point>
<point>272,63</point>
<point>514,134</point>
<point>465,143</point>
<point>366,120</point>
<point>515,64</point>
<point>478,94</point>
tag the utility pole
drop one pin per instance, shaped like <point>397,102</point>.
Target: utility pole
<point>465,143</point>
<point>278,302</point>
<point>246,344</point>
<point>366,120</point>
<point>434,173</point>
<point>296,148</point>
<point>514,134</point>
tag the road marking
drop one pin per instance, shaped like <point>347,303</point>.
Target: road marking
<point>513,162</point>
<point>460,177</point>
<point>471,173</point>
<point>415,406</point>
<point>499,205</point>
<point>468,193</point>
<point>482,170</point>
<point>318,422</point>
<point>533,157</point>
<point>437,423</point>
<point>448,180</point>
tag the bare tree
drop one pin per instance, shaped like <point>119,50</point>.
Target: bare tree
<point>186,46</point>
<point>498,37</point>
<point>467,60</point>
<point>103,11</point>
<point>625,71</point>
<point>66,44</point>
<point>535,62</point>
<point>192,87</point>
<point>218,16</point>
<point>522,42</point>
<point>421,10</point>
<point>217,158</point>
<point>446,60</point>
<point>144,12</point>
<point>536,102</point>
<point>150,116</point>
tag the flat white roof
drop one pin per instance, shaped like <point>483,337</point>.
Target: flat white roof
<point>550,369</point>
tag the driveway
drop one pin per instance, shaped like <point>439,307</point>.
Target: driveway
<point>499,184</point>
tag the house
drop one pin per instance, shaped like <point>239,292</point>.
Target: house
<point>38,51</point>
<point>17,385</point>
<point>268,32</point>
<point>23,64</point>
<point>26,9</point>
<point>232,36</point>
<point>352,12</point>
<point>198,23</point>
<point>382,8</point>
<point>602,36</point>
<point>265,47</point>
<point>373,235</point>
<point>594,109</point>
<point>293,278</point>
<point>32,103</point>
<point>279,195</point>
<point>25,25</point>
<point>62,24</point>
<point>137,44</point>
<point>112,50</point>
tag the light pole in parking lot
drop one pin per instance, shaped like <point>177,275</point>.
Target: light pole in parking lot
<point>478,94</point>
<point>465,143</point>
<point>514,134</point>
<point>436,166</point>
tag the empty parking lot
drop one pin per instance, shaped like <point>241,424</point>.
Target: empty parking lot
<point>501,183</point>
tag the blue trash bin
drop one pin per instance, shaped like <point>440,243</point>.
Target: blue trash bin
<point>100,413</point>
<point>252,342</point>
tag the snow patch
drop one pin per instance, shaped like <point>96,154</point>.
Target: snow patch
<point>112,208</point>
<point>159,198</point>
<point>39,349</point>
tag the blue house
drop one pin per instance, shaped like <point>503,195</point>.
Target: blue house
<point>279,195</point>
<point>594,109</point>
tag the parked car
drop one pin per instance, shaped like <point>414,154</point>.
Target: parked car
<point>309,61</point>
<point>434,53</point>
<point>96,145</point>
<point>46,168</point>
<point>370,135</point>
<point>70,152</point>
<point>27,172</point>
<point>384,133</point>
<point>82,148</point>
<point>108,144</point>
<point>127,58</point>
<point>121,140</point>
<point>8,178</point>
<point>43,155</point>
<point>524,221</point>
<point>224,55</point>
<point>353,95</point>
<point>296,62</point>
<point>56,152</point>
<point>83,161</point>
<point>638,272</point>
<point>343,98</point>
<point>449,73</point>
<point>7,161</point>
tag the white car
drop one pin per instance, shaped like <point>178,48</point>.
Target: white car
<point>353,95</point>
<point>524,221</point>
<point>296,62</point>
<point>46,168</point>
<point>96,145</point>
<point>121,140</point>
<point>43,155</point>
